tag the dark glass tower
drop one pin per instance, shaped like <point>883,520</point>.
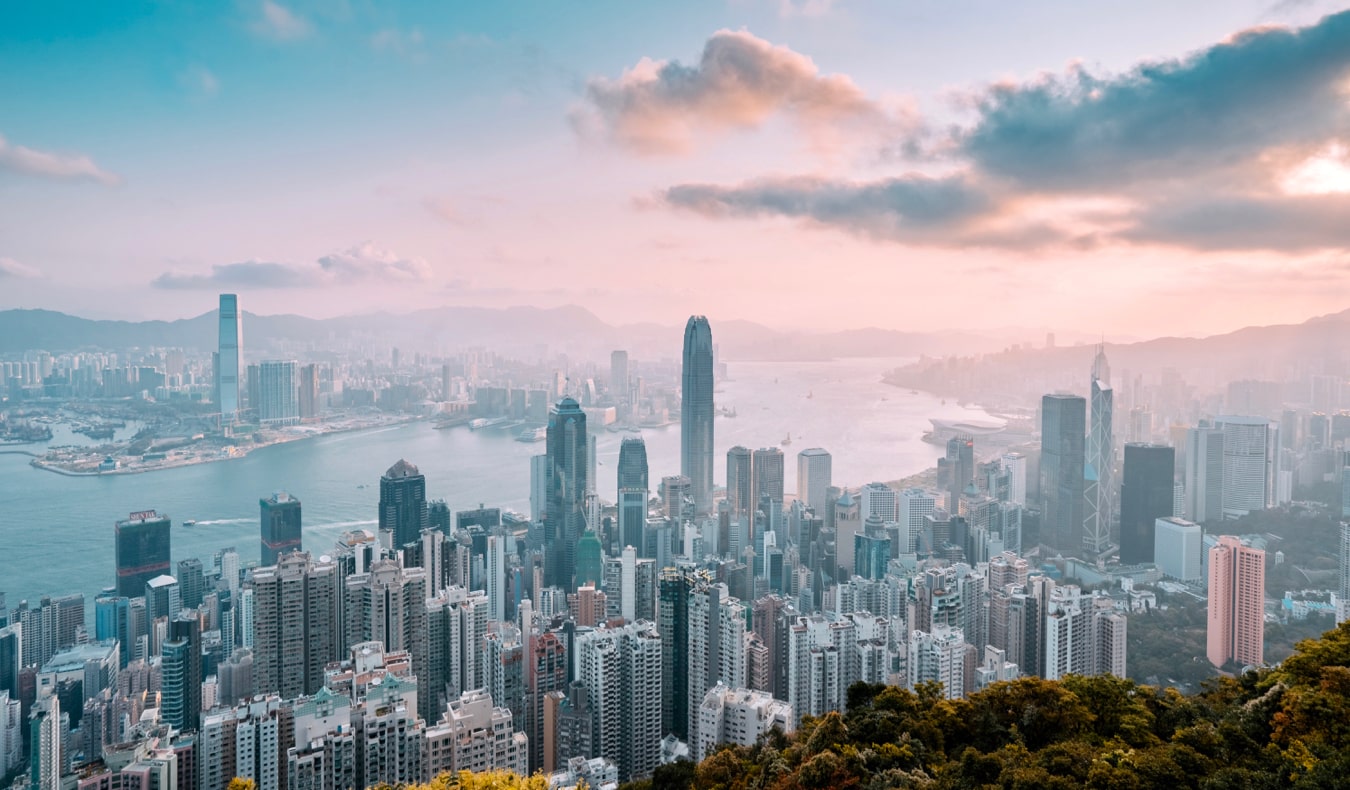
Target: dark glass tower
<point>281,525</point>
<point>1146,495</point>
<point>1063,456</point>
<point>634,484</point>
<point>740,495</point>
<point>696,412</point>
<point>142,546</point>
<point>181,674</point>
<point>403,503</point>
<point>565,513</point>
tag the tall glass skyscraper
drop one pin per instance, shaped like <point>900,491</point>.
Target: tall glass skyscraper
<point>1145,497</point>
<point>228,358</point>
<point>1100,482</point>
<point>633,488</point>
<point>696,412</point>
<point>143,549</point>
<point>565,511</point>
<point>280,526</point>
<point>1063,462</point>
<point>403,503</point>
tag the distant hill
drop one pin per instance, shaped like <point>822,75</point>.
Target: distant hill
<point>573,329</point>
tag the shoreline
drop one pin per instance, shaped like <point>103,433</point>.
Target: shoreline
<point>39,461</point>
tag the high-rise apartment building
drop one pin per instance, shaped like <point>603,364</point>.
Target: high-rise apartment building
<point>1237,581</point>
<point>621,670</point>
<point>229,358</point>
<point>296,626</point>
<point>696,412</point>
<point>814,478</point>
<point>915,506</point>
<point>716,647</point>
<point>740,717</point>
<point>278,387</point>
<point>403,503</point>
<point>1099,476</point>
<point>634,487</point>
<point>565,511</point>
<point>1146,495</point>
<point>1204,474</point>
<point>939,657</point>
<point>1063,460</point>
<point>280,517</point>
<point>1250,464</point>
<point>143,549</point>
<point>475,735</point>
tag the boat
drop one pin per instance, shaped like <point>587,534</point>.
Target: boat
<point>533,434</point>
<point>811,394</point>
<point>787,439</point>
<point>192,522</point>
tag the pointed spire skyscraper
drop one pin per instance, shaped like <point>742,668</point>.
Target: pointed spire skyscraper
<point>696,412</point>
<point>1100,478</point>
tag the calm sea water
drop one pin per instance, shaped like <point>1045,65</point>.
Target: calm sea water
<point>57,531</point>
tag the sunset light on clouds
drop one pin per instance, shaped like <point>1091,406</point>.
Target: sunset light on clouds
<point>1151,168</point>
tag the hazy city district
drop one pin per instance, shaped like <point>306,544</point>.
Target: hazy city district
<point>1149,531</point>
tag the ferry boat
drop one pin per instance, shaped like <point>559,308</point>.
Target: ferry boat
<point>535,434</point>
<point>787,439</point>
<point>190,523</point>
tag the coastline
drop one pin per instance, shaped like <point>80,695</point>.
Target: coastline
<point>40,462</point>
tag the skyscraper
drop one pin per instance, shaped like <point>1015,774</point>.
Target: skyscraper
<point>1237,581</point>
<point>142,546</point>
<point>634,485</point>
<point>618,377</point>
<point>740,494</point>
<point>296,628</point>
<point>767,476</point>
<point>280,526</point>
<point>1145,497</point>
<point>277,390</point>
<point>814,478</point>
<point>403,503</point>
<point>1204,473</point>
<point>1063,458</point>
<point>309,391</point>
<point>1250,462</point>
<point>181,669</point>
<point>960,462</point>
<point>229,358</point>
<point>565,511</point>
<point>696,411</point>
<point>1100,473</point>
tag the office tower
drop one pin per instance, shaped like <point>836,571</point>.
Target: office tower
<point>1177,549</point>
<point>633,488</point>
<point>1015,465</point>
<point>1141,425</point>
<point>740,482</point>
<point>1250,464</point>
<point>1145,496</point>
<point>296,627</point>
<point>403,503</point>
<point>1235,630</point>
<point>814,477</point>
<point>1063,456</point>
<point>880,500</point>
<point>538,487</point>
<point>500,546</point>
<point>871,551</point>
<point>766,474</point>
<point>181,674</point>
<point>191,583</point>
<point>960,463</point>
<point>675,491</point>
<point>1100,481</point>
<point>621,670</point>
<point>589,560</point>
<point>475,735</point>
<point>565,511</point>
<point>229,358</point>
<point>280,526</point>
<point>308,386</point>
<point>277,388</point>
<point>672,622</point>
<point>142,547</point>
<point>696,412</point>
<point>914,506</point>
<point>1204,474</point>
<point>11,658</point>
<point>618,377</point>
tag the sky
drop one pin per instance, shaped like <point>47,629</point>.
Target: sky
<point>1133,169</point>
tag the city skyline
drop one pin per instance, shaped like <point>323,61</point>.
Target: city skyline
<point>829,155</point>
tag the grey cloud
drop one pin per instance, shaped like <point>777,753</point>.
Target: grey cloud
<point>248,274</point>
<point>45,164</point>
<point>12,269</point>
<point>367,260</point>
<point>1291,223</point>
<point>1213,111</point>
<point>740,81</point>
